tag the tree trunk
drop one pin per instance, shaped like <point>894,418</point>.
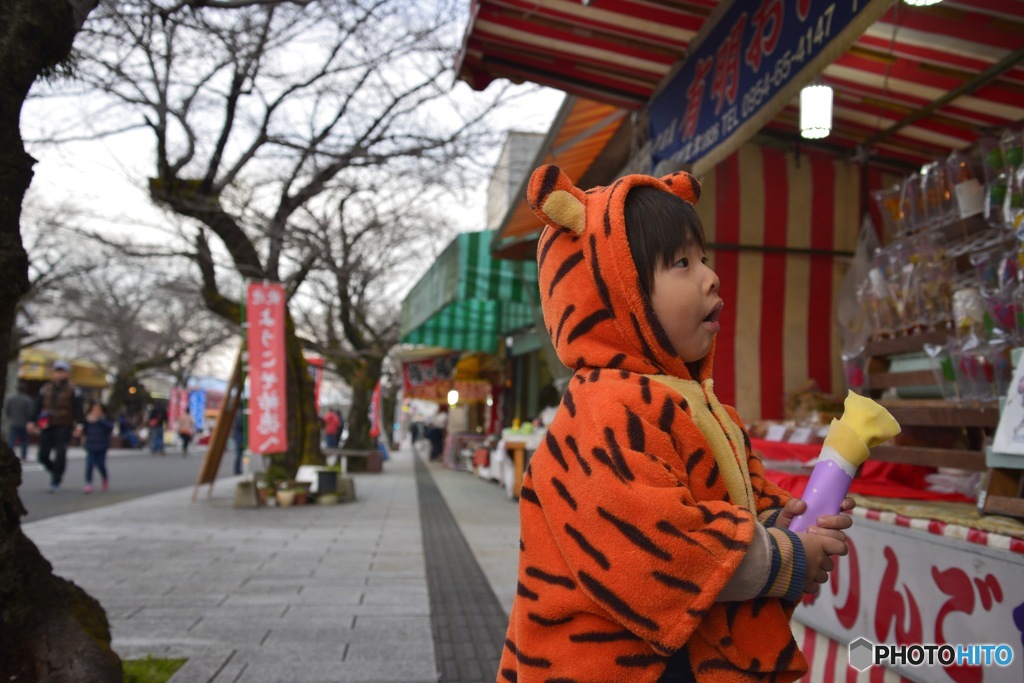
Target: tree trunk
<point>50,629</point>
<point>363,380</point>
<point>303,426</point>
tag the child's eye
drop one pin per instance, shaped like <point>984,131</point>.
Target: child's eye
<point>704,260</point>
<point>683,262</point>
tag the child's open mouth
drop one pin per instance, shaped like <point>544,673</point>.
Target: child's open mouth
<point>712,317</point>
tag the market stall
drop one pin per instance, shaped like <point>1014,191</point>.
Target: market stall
<point>712,87</point>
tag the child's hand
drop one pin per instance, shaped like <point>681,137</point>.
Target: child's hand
<point>819,547</point>
<point>796,507</point>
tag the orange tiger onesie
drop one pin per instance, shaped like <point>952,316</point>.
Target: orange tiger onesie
<point>641,502</point>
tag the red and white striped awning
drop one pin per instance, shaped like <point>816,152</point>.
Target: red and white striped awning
<point>962,55</point>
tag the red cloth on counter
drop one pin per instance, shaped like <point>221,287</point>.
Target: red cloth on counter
<point>882,479</point>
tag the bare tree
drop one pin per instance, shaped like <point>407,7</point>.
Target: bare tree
<point>135,321</point>
<point>258,112</point>
<point>371,247</point>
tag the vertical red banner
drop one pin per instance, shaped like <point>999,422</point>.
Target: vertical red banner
<point>268,396</point>
<point>375,415</point>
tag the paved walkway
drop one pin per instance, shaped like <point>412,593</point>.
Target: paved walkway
<point>411,582</point>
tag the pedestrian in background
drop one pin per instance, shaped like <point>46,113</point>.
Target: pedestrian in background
<point>127,430</point>
<point>58,409</point>
<point>97,431</point>
<point>238,435</point>
<point>156,421</point>
<point>332,428</point>
<point>186,427</point>
<point>19,408</point>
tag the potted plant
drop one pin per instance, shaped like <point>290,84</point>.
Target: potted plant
<point>285,497</point>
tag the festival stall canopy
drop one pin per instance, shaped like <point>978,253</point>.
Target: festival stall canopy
<point>910,85</point>
<point>467,300</point>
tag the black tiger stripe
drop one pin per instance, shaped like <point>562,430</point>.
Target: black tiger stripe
<point>757,605</point>
<point>602,636</point>
<point>544,621</point>
<point>607,220</point>
<point>522,546</point>
<point>595,374</point>
<point>555,449</point>
<point>786,656</point>
<point>639,661</point>
<point>616,360</point>
<point>603,458</point>
<point>564,269</point>
<point>547,186</point>
<point>635,536</point>
<point>710,516</point>
<point>669,529</point>
<point>684,405</point>
<point>697,613</point>
<point>588,323</point>
<point>717,664</point>
<point>746,442</point>
<point>624,374</point>
<point>602,287</point>
<point>693,461</point>
<point>561,323</point>
<point>727,542</point>
<point>659,332</point>
<point>522,590</point>
<point>667,417</point>
<point>570,404</point>
<point>616,453</point>
<point>614,602</point>
<point>645,349</point>
<point>552,579</point>
<point>563,493</point>
<point>635,430</point>
<point>571,443</point>
<point>731,610</point>
<point>712,476</point>
<point>726,641</point>
<point>585,546</point>
<point>547,246</point>
<point>510,675</point>
<point>539,662</point>
<point>676,582</point>
<point>645,390</point>
<point>529,495</point>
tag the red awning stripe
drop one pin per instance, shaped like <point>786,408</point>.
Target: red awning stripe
<point>651,25</point>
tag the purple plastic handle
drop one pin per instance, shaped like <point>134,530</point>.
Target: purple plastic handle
<point>824,494</point>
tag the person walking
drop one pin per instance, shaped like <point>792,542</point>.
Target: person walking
<point>156,421</point>
<point>18,411</point>
<point>58,409</point>
<point>238,436</point>
<point>97,430</point>
<point>186,427</point>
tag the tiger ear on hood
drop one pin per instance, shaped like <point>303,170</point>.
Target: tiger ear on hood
<point>683,185</point>
<point>556,201</point>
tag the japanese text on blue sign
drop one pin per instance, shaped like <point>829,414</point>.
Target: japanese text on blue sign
<point>750,54</point>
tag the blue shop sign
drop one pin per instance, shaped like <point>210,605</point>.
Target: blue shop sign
<point>744,70</point>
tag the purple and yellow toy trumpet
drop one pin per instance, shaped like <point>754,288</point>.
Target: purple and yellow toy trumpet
<point>864,425</point>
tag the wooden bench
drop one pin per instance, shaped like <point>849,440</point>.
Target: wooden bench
<point>340,456</point>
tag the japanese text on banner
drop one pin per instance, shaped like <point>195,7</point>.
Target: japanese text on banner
<point>268,402</point>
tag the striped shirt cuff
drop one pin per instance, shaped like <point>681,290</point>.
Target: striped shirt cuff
<point>769,516</point>
<point>789,566</point>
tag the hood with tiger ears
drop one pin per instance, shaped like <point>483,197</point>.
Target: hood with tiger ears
<point>594,306</point>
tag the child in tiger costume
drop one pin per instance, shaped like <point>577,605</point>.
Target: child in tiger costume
<point>652,546</point>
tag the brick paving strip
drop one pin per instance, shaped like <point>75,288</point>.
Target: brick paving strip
<point>467,619</point>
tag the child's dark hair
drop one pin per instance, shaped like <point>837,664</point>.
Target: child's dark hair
<point>659,225</point>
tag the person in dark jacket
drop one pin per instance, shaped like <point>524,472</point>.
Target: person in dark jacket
<point>58,409</point>
<point>18,412</point>
<point>97,431</point>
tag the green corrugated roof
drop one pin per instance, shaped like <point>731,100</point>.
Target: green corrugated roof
<point>467,300</point>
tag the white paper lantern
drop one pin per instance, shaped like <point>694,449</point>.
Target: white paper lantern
<point>815,111</point>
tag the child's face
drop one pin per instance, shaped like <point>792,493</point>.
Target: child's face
<point>685,299</point>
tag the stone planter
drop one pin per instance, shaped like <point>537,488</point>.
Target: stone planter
<point>286,498</point>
